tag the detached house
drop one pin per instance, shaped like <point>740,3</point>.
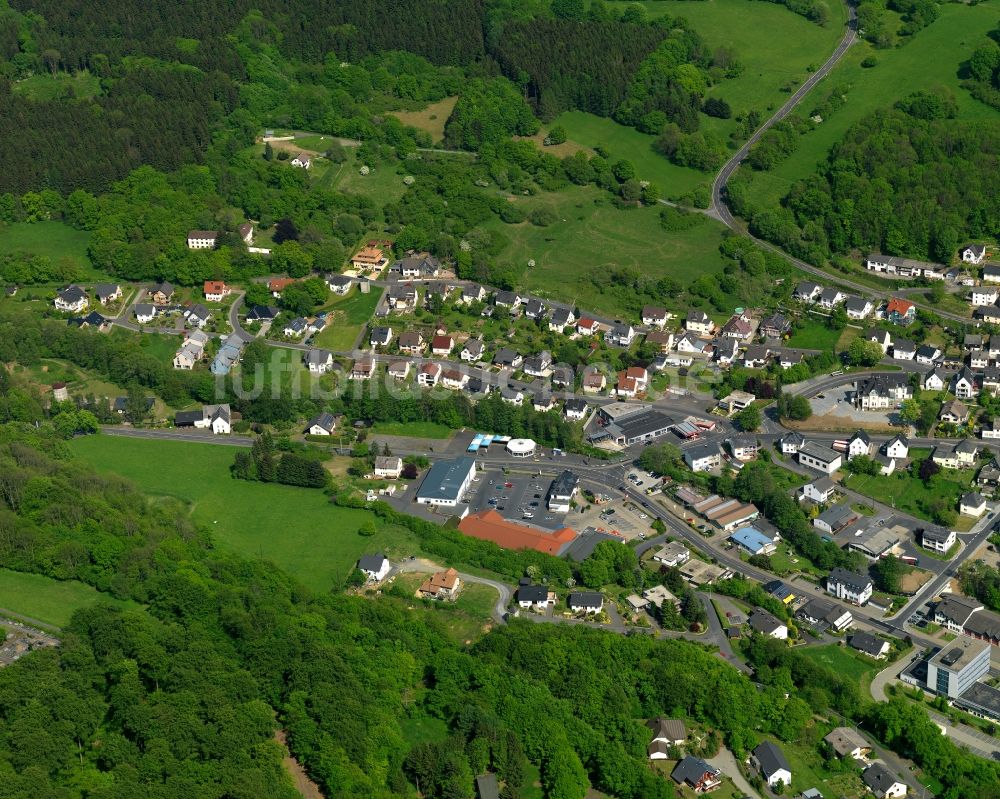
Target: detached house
<point>928,354</point>
<point>575,409</point>
<point>620,335</point>
<point>401,298</point>
<point>506,358</point>
<point>302,161</point>
<point>419,265</point>
<point>411,342</point>
<point>770,761</point>
<point>935,380</point>
<point>107,292</point>
<point>588,327</point>
<point>339,284</point>
<point>594,382</point>
<point>560,319</point>
<point>380,336</point>
<point>654,316</point>
<point>954,412</point>
<point>215,290</point>
<point>363,368</point>
<point>858,307</point>
<point>442,345</point>
<point>775,326</point>
<point>693,772</point>
<point>984,295</point>
<point>965,385</point>
<point>973,253</point>
<point>375,567</point>
<point>882,782</point>
<point>507,299</point>
<point>807,291</point>
<point>161,293</point>
<point>538,365</point>
<point>371,257</point>
<point>849,586</point>
<point>202,239</point>
<point>72,299</point>
<point>900,312</point>
<point>897,447</point>
<point>429,374</point>
<point>144,313</point>
<point>398,369</point>
<point>472,350</point>
<point>319,361</point>
<point>699,322</point>
<point>322,425</point>
<point>831,298</point>
<point>903,349</point>
<point>859,444</point>
<point>879,392</point>
<point>738,327</point>
<point>473,293</point>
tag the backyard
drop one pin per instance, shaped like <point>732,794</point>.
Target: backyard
<point>296,528</point>
<point>346,318</point>
<point>48,600</point>
<point>905,491</point>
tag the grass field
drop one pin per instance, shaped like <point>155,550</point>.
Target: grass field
<point>53,87</point>
<point>907,492</point>
<point>48,600</point>
<point>929,62</point>
<point>414,429</point>
<point>591,237</point>
<point>52,240</point>
<point>348,316</point>
<point>589,131</point>
<point>296,528</point>
<point>430,119</point>
<point>842,661</point>
<point>814,335</point>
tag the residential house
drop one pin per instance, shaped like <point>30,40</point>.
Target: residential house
<point>819,491</point>
<point>848,742</point>
<point>411,342</point>
<point>739,327</point>
<point>869,644</point>
<point>897,447</point>
<point>754,542</point>
<point>698,322</point>
<point>770,761</point>
<point>561,318</point>
<point>319,361</point>
<point>967,453</point>
<point>375,567</point>
<point>807,291</point>
<point>507,299</point>
<point>322,424</point>
<point>972,504</point>
<point>790,442</point>
<point>588,327</point>
<point>539,365</point>
<point>990,314</point>
<point>765,623</point>
<point>441,585</point>
<point>725,350</point>
<point>835,518</point>
<point>632,382</point>
<point>756,356</point>
<point>654,316</point>
<point>820,611</point>
<point>988,479</point>
<point>302,161</point>
<point>703,457</point>
<point>736,401</point>
<point>882,391</point>
<point>744,448</point>
<point>161,293</point>
<point>695,773</point>
<point>197,316</point>
<point>819,457</point>
<point>535,597</point>
<point>775,326</point>
<point>620,335</point>
<point>672,554</point>
<point>935,380</point>
<point>107,292</point>
<point>144,313</point>
<point>849,586</point>
<point>217,418</point>
<point>585,602</point>
<point>594,382</point>
<point>417,265</point>
<point>401,297</point>
<point>429,374</point>
<point>984,295</point>
<point>339,284</point>
<point>575,409</point>
<point>899,311</point>
<point>662,341</point>
<point>973,253</point>
<point>454,379</point>
<point>562,489</point>
<point>202,239</point>
<point>380,336</point>
<point>965,385</point>
<point>472,350</point>
<point>859,444</point>
<point>945,457</point>
<point>903,349</point>
<point>928,354</point>
<point>938,539</point>
<point>398,369</point>
<point>506,358</point>
<point>830,298</point>
<point>72,299</point>
<point>689,342</point>
<point>262,313</point>
<point>245,232</point>
<point>789,358</point>
<point>991,430</point>
<point>534,309</point>
<point>880,337</point>
<point>858,307</point>
<point>442,345</point>
<point>215,290</point>
<point>670,732</point>
<point>297,326</point>
<point>473,292</point>
<point>955,611</point>
<point>882,782</point>
<point>388,467</point>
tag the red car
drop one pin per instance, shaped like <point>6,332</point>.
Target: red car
<point>508,485</point>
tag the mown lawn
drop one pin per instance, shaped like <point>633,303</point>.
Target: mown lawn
<point>814,335</point>
<point>574,255</point>
<point>905,491</point>
<point>842,661</point>
<point>347,317</point>
<point>414,429</point>
<point>51,601</point>
<point>52,240</point>
<point>296,528</point>
<point>930,62</point>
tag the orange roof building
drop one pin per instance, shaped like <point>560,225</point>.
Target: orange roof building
<point>279,283</point>
<point>441,584</point>
<point>370,257</point>
<point>488,525</point>
<point>215,287</point>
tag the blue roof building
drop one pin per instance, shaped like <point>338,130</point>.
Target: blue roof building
<point>753,541</point>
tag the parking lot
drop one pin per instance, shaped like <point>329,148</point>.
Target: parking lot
<point>618,515</point>
<point>519,498</point>
<point>836,403</point>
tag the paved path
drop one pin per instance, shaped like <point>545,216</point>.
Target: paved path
<point>44,626</point>
<point>176,435</point>
<point>726,762</point>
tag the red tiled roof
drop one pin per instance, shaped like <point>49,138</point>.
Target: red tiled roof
<point>442,343</point>
<point>279,283</point>
<point>215,286</point>
<point>897,305</point>
<point>489,525</point>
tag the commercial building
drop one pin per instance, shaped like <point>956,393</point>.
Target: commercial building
<point>446,482</point>
<point>822,459</point>
<point>753,541</point>
<point>629,424</point>
<point>957,666</point>
<point>491,526</point>
<point>561,492</point>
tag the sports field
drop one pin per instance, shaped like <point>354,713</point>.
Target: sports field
<point>48,600</point>
<point>930,62</point>
<point>296,528</point>
<point>591,236</point>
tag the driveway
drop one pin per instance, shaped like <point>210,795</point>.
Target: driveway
<point>726,762</point>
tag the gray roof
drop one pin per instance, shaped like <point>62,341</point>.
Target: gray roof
<point>72,294</point>
<point>671,729</point>
<point>867,643</point>
<point>586,599</point>
<point>532,593</point>
<point>325,420</point>
<point>691,769</point>
<point>771,758</point>
<point>145,309</point>
<point>105,289</point>
<point>445,478</point>
<point>764,622</point>
<point>878,778</point>
<point>818,451</point>
<point>837,516</point>
<point>318,357</point>
<point>853,580</point>
<point>371,563</point>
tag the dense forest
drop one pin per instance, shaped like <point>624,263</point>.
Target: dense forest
<point>911,181</point>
